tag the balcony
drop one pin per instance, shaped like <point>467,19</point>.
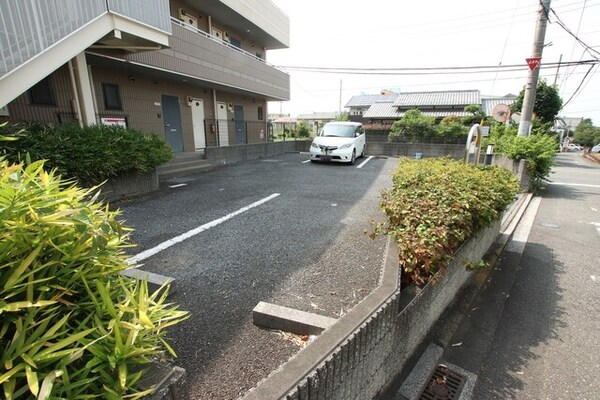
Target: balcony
<point>212,62</point>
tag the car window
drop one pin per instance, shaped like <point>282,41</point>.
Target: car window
<point>338,130</point>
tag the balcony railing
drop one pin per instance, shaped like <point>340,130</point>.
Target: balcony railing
<point>221,41</point>
<point>30,27</point>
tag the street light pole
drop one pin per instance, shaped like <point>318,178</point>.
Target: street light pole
<point>530,87</point>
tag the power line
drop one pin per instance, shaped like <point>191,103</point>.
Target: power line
<point>430,70</point>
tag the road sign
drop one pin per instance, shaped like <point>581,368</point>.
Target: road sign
<point>533,62</point>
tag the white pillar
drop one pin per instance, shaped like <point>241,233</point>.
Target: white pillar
<point>84,89</point>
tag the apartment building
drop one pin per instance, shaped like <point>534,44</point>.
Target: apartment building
<point>191,71</point>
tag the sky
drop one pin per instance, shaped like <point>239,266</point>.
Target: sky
<point>378,34</point>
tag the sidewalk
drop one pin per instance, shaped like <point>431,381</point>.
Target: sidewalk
<point>532,330</point>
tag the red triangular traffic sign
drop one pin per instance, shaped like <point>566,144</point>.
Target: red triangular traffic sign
<point>533,62</point>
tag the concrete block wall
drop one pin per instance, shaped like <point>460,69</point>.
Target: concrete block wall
<point>518,167</point>
<point>244,152</point>
<point>455,151</point>
<point>129,184</point>
<point>364,363</point>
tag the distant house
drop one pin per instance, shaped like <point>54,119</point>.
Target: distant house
<point>283,122</point>
<point>566,125</point>
<point>488,103</point>
<point>317,120</point>
<point>437,104</point>
<point>386,108</point>
<point>360,104</point>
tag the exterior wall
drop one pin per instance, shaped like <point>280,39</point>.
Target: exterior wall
<point>141,105</point>
<point>21,109</point>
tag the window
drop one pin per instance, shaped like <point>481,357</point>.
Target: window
<point>112,97</point>
<point>261,114</point>
<point>42,94</point>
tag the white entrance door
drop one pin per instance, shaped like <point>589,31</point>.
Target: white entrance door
<point>222,123</point>
<point>198,123</point>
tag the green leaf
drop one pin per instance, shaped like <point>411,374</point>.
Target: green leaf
<point>32,381</point>
<point>47,385</point>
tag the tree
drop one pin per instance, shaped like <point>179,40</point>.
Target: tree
<point>586,134</point>
<point>476,116</point>
<point>547,102</point>
<point>345,116</point>
<point>302,130</point>
<point>414,124</point>
<point>452,126</point>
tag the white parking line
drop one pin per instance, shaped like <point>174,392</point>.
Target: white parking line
<point>362,164</point>
<point>305,161</point>
<point>178,185</point>
<point>178,239</point>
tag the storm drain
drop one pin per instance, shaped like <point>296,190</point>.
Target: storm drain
<point>444,384</point>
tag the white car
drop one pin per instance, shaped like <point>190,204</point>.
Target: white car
<point>595,149</point>
<point>339,142</point>
<point>574,147</point>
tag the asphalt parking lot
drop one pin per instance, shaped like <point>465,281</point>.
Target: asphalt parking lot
<point>281,230</point>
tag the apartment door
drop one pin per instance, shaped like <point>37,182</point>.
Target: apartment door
<point>198,123</point>
<point>240,131</point>
<point>222,124</point>
<point>172,120</point>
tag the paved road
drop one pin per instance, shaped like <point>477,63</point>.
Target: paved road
<point>544,343</point>
<point>300,245</point>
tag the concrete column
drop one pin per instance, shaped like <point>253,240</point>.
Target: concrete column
<point>84,90</point>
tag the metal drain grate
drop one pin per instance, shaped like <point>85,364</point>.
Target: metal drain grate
<point>444,384</point>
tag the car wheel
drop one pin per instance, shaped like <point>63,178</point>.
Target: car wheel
<point>363,152</point>
<point>353,159</point>
<point>313,161</point>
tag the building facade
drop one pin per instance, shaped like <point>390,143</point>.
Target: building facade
<point>192,72</point>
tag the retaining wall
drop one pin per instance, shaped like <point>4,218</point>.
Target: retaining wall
<point>455,151</point>
<point>519,168</point>
<point>362,353</point>
<point>128,185</point>
<point>244,152</point>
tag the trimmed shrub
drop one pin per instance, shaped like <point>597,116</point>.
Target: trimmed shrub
<point>70,327</point>
<point>90,154</point>
<point>437,204</point>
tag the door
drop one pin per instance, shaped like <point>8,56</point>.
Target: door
<point>240,132</point>
<point>222,124</point>
<point>198,123</point>
<point>172,120</point>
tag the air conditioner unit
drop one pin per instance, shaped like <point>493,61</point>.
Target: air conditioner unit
<point>226,36</point>
<point>187,18</point>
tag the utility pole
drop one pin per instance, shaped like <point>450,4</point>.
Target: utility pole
<point>530,87</point>
<point>340,105</point>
